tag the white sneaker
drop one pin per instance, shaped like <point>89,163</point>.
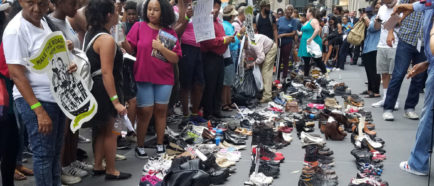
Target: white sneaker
<point>74,171</point>
<point>411,114</point>
<point>287,137</point>
<point>82,165</point>
<point>396,105</point>
<point>260,179</point>
<point>120,157</point>
<point>388,116</point>
<point>378,104</point>
<point>69,180</point>
<point>405,167</point>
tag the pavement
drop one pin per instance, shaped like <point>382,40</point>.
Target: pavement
<point>399,136</point>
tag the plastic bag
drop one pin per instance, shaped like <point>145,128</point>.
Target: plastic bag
<point>258,77</point>
<point>314,49</point>
<point>246,86</point>
<point>122,123</point>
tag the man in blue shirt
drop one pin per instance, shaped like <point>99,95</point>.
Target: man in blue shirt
<point>419,157</point>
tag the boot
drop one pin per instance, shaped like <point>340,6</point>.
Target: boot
<point>332,130</point>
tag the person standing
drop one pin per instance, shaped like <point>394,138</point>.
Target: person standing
<point>345,46</point>
<point>418,162</point>
<point>154,77</point>
<point>311,31</point>
<point>407,51</point>
<point>264,22</point>
<point>287,29</point>
<point>212,57</point>
<point>238,21</point>
<point>369,56</point>
<point>385,52</point>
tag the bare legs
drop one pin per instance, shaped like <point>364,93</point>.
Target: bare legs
<point>105,148</point>
<point>144,117</point>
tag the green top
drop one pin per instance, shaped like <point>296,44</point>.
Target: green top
<point>308,31</point>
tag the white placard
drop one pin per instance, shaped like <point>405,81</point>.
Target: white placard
<point>73,97</point>
<point>203,20</point>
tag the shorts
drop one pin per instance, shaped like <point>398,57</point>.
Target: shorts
<point>190,67</point>
<point>385,60</point>
<point>149,94</point>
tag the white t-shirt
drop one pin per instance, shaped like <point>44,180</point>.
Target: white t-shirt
<point>384,14</point>
<point>67,30</point>
<point>21,40</point>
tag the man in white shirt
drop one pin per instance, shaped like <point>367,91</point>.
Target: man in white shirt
<point>385,53</point>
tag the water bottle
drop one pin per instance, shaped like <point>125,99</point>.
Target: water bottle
<point>218,136</point>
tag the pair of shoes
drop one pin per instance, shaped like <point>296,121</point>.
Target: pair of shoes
<point>69,180</point>
<point>332,130</point>
<point>121,176</point>
<point>411,114</point>
<point>388,115</point>
<point>74,171</point>
<point>141,153</point>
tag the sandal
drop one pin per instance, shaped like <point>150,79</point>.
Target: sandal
<point>19,176</point>
<point>232,106</point>
<point>26,171</point>
<point>372,95</point>
<point>365,93</point>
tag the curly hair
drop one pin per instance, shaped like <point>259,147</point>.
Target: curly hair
<point>167,16</point>
<point>130,5</point>
<point>96,13</point>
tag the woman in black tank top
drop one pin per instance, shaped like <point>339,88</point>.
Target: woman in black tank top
<point>104,55</point>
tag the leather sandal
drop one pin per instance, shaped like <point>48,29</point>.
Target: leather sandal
<point>19,176</point>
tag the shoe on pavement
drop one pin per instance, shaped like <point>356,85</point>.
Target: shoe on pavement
<point>405,167</point>
<point>82,165</point>
<point>396,106</point>
<point>141,153</point>
<point>388,115</point>
<point>378,104</point>
<point>69,180</point>
<point>74,171</point>
<point>411,114</point>
<point>120,157</point>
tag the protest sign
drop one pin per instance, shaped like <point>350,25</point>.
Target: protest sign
<point>248,12</point>
<point>203,20</point>
<point>68,89</point>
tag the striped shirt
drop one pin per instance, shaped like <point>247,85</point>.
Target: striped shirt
<point>411,27</point>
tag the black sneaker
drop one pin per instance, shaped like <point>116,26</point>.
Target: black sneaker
<point>123,143</point>
<point>141,153</point>
<point>160,149</point>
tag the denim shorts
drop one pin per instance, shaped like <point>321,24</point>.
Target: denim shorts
<point>149,94</point>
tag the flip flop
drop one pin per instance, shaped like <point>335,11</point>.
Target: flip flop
<point>19,176</point>
<point>373,96</point>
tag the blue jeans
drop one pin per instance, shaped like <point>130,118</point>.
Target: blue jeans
<point>405,53</point>
<point>419,154</point>
<point>45,148</point>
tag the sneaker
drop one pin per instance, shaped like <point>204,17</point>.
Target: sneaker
<point>123,143</point>
<point>82,165</point>
<point>69,180</point>
<point>388,115</point>
<point>141,153</point>
<point>260,179</point>
<point>161,149</point>
<point>405,167</point>
<point>411,114</point>
<point>378,104</point>
<point>74,171</point>
<point>120,157</point>
<point>396,106</point>
<point>82,139</point>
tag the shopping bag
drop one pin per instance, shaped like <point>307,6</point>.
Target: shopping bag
<point>258,78</point>
<point>314,49</point>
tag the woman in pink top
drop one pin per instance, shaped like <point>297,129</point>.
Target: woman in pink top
<point>153,69</point>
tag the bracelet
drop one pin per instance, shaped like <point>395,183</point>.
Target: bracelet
<point>239,35</point>
<point>224,40</point>
<point>187,18</point>
<point>36,105</point>
<point>114,97</point>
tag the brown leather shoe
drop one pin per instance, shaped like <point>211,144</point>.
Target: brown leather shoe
<point>332,131</point>
<point>207,135</point>
<point>292,106</point>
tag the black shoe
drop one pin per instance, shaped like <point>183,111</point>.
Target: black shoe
<point>234,140</point>
<point>123,143</point>
<point>160,149</point>
<point>327,162</point>
<point>121,176</point>
<point>98,172</point>
<point>266,169</point>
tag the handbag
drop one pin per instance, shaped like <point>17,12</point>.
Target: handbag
<point>357,34</point>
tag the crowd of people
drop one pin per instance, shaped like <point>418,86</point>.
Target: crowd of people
<point>200,75</point>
